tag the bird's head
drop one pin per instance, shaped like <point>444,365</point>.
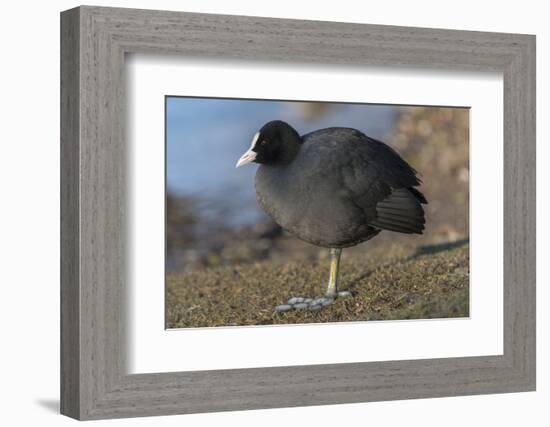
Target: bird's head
<point>275,143</point>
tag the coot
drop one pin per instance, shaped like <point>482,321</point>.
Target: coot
<point>334,187</point>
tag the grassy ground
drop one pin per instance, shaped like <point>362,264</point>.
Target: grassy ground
<point>400,283</point>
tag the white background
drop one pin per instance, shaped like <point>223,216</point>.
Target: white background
<point>29,218</point>
<point>153,349</point>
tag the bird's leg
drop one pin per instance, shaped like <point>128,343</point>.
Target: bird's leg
<point>332,289</point>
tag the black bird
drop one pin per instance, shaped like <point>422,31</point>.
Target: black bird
<point>334,187</point>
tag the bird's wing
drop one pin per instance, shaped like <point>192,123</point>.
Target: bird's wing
<point>379,181</point>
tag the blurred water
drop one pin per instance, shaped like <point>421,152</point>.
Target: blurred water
<point>205,137</point>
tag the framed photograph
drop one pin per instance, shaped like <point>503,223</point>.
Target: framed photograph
<point>220,227</point>
<point>261,213</point>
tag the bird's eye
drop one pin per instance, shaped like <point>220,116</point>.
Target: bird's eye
<point>263,142</point>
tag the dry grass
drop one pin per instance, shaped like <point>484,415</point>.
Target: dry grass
<point>403,283</point>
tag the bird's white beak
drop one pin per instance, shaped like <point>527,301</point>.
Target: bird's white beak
<point>250,155</point>
<point>246,158</point>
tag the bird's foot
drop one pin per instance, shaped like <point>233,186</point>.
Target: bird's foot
<point>304,303</point>
<point>312,304</point>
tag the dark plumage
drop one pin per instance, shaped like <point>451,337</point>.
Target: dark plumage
<point>334,187</point>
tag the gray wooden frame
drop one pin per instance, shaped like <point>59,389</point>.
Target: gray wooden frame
<point>94,41</point>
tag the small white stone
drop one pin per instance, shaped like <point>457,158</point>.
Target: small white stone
<point>300,306</point>
<point>308,300</point>
<point>283,307</point>
<point>344,294</point>
<point>315,307</point>
<point>326,301</point>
